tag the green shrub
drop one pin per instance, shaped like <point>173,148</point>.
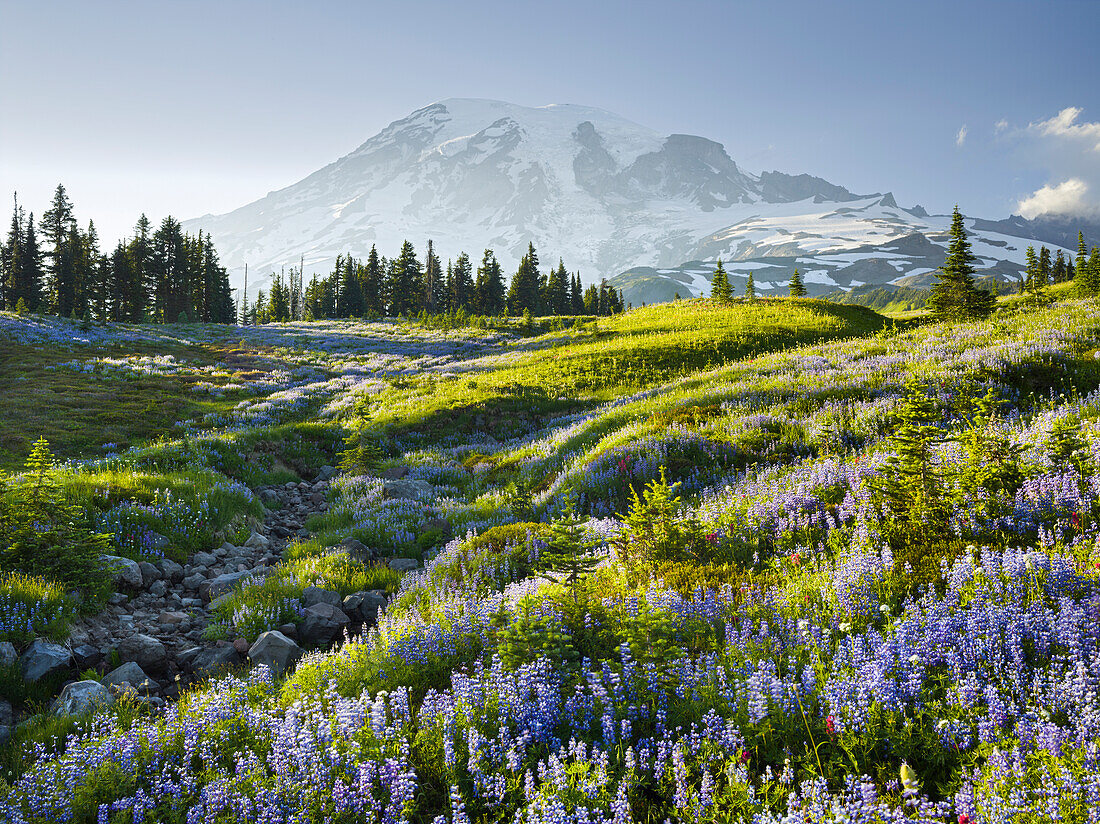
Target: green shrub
<point>655,530</point>
<point>43,533</point>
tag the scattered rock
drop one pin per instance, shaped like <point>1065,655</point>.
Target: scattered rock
<point>149,573</point>
<point>159,589</point>
<point>129,673</point>
<point>322,623</point>
<point>311,596</point>
<point>357,549</point>
<point>42,660</point>
<point>441,525</point>
<point>289,630</point>
<point>85,655</point>
<point>170,618</point>
<point>127,572</point>
<point>213,660</point>
<point>276,650</point>
<point>403,564</point>
<point>241,646</point>
<point>256,541</point>
<point>224,583</point>
<point>80,697</point>
<point>203,559</point>
<point>325,473</point>
<point>171,570</point>
<point>144,650</point>
<point>374,600</point>
<point>193,582</point>
<point>352,607</point>
<point>394,473</point>
<point>8,655</point>
<point>412,490</point>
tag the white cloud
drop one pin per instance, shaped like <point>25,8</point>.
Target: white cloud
<point>1070,197</point>
<point>1064,124</point>
<point>1000,126</point>
<point>960,138</point>
<point>1066,150</point>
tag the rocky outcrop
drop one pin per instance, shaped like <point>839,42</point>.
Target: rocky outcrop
<point>81,697</point>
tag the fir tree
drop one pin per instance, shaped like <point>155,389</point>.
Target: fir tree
<point>954,296</point>
<point>405,286</point>
<point>433,299</point>
<point>372,290</point>
<point>750,288</point>
<point>796,286</point>
<point>461,284</point>
<point>1058,271</point>
<point>1083,278</point>
<point>57,224</point>
<point>557,291</point>
<point>576,295</point>
<point>523,293</point>
<point>489,288</point>
<point>720,289</point>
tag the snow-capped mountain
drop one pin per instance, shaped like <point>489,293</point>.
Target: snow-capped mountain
<point>604,194</point>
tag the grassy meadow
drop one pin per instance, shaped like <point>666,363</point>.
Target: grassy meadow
<point>775,561</point>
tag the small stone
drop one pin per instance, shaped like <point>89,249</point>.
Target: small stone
<point>289,630</point>
<point>325,473</point>
<point>158,588</point>
<point>8,656</point>
<point>193,582</point>
<point>226,583</point>
<point>213,660</point>
<point>394,473</point>
<point>80,697</point>
<point>322,623</point>
<point>203,559</point>
<point>356,549</point>
<point>352,607</point>
<point>241,645</point>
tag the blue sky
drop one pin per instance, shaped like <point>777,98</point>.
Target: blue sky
<point>192,106</point>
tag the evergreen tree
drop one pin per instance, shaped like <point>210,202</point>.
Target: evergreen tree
<point>405,282</point>
<point>1083,279</point>
<point>796,286</point>
<point>372,286</point>
<point>720,289</point>
<point>524,290</point>
<point>279,309</point>
<point>57,224</point>
<point>21,263</point>
<point>1044,266</point>
<point>576,295</point>
<point>592,300</point>
<point>750,288</point>
<point>434,288</point>
<point>141,284</point>
<point>461,284</point>
<point>349,299</point>
<point>1093,266</point>
<point>1058,271</point>
<point>489,287</point>
<point>954,296</point>
<point>556,297</point>
<point>1031,272</point>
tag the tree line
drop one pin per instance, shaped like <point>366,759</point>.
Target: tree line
<point>158,275</point>
<point>406,286</point>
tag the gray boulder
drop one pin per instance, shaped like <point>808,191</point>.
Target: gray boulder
<point>356,549</point>
<point>408,489</point>
<point>149,573</point>
<point>127,572</point>
<point>215,659</point>
<point>158,589</point>
<point>43,659</point>
<point>129,673</point>
<point>172,571</point>
<point>394,473</point>
<point>8,656</point>
<point>145,651</point>
<point>322,624</point>
<point>85,655</point>
<point>276,651</point>
<point>203,559</point>
<point>325,473</point>
<point>311,596</point>
<point>225,583</point>
<point>374,600</point>
<point>403,564</point>
<point>193,582</point>
<point>256,541</point>
<point>80,697</point>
